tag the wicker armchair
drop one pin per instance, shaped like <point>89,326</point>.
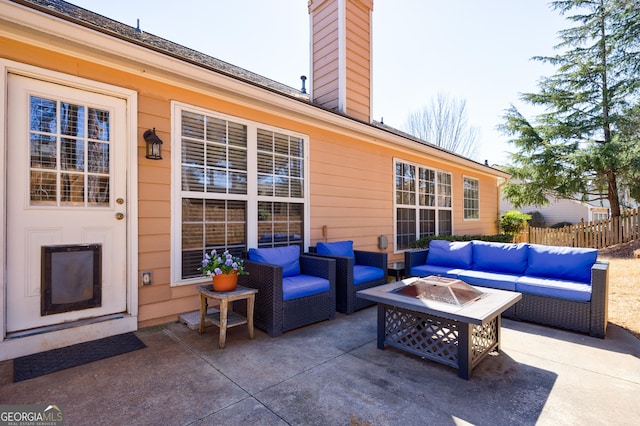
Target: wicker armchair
<point>355,270</point>
<point>275,312</point>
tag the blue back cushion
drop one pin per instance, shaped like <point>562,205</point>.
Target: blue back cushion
<point>500,257</point>
<point>456,254</point>
<point>339,248</point>
<point>564,263</point>
<point>288,257</point>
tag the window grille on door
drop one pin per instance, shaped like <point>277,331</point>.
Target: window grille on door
<point>69,154</point>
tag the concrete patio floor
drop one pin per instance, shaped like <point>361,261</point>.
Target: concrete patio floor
<point>331,373</point>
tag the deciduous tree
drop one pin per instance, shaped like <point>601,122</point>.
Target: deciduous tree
<point>443,122</point>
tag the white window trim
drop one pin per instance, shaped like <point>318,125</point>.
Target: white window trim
<point>417,206</point>
<point>252,185</point>
<point>475,219</point>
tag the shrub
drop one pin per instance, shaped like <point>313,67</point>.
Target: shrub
<point>513,222</point>
<point>537,220</point>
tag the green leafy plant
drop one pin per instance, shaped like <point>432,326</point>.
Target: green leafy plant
<point>513,222</point>
<point>225,263</point>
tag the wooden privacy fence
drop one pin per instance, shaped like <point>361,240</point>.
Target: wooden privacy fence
<point>599,234</point>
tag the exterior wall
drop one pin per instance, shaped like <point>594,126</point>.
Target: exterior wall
<point>351,177</point>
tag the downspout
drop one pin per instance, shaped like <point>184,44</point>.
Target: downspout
<point>342,56</point>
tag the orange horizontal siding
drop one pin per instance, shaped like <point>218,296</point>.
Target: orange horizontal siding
<point>351,180</point>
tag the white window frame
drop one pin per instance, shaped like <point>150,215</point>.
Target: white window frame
<point>464,198</point>
<point>599,215</point>
<point>251,197</point>
<point>437,208</point>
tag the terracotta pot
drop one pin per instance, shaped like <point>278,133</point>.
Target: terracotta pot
<point>225,282</point>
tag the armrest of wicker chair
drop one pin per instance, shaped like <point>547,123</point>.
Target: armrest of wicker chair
<point>371,258</point>
<point>414,258</point>
<point>599,299</point>
<point>324,268</point>
<point>267,279</point>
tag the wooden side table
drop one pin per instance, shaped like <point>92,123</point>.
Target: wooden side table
<point>226,318</point>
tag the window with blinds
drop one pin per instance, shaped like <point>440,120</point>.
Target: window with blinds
<point>241,185</point>
<point>423,203</point>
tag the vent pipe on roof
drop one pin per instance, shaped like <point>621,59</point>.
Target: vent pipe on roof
<point>303,78</point>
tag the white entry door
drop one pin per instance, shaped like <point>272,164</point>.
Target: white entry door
<point>66,185</point>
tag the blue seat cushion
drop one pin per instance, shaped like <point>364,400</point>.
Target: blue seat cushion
<point>500,257</point>
<point>489,279</point>
<point>302,285</point>
<point>288,257</point>
<point>364,274</point>
<point>426,270</point>
<point>338,248</point>
<point>570,290</point>
<point>457,254</point>
<point>562,263</point>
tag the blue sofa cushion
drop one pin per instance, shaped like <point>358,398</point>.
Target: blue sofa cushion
<point>338,248</point>
<point>489,279</point>
<point>288,257</point>
<point>302,285</point>
<point>363,274</point>
<point>562,263</point>
<point>500,257</point>
<point>426,270</point>
<point>554,288</point>
<point>456,254</point>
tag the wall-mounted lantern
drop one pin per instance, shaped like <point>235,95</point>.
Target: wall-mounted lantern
<point>154,145</point>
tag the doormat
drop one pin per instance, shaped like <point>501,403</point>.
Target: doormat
<point>30,366</point>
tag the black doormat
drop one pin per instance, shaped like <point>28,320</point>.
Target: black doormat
<point>30,366</point>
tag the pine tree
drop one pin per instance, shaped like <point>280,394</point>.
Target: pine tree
<point>585,143</point>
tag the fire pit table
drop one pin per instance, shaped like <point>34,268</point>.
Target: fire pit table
<point>441,319</point>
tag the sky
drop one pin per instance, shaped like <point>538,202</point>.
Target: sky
<point>478,51</point>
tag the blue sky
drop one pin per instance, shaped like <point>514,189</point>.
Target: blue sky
<point>476,50</point>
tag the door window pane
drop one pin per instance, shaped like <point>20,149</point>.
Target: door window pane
<point>65,138</point>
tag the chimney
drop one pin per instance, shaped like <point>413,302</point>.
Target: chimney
<point>341,56</point>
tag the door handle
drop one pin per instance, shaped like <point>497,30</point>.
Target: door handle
<point>119,216</point>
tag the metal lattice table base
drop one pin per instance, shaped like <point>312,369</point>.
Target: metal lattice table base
<point>453,343</point>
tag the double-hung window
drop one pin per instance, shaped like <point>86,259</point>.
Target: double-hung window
<point>280,189</point>
<point>423,203</point>
<point>239,184</point>
<point>471,198</point>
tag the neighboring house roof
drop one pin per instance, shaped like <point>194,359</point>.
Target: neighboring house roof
<point>104,25</point>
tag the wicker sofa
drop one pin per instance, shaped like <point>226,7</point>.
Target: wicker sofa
<point>563,287</point>
<point>294,290</point>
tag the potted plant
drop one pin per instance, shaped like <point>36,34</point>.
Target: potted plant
<point>223,269</point>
